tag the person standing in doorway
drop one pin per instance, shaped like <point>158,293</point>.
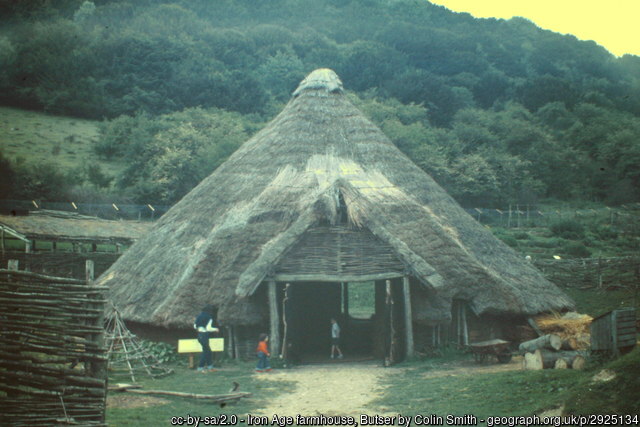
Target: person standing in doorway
<point>335,339</point>
<point>204,326</point>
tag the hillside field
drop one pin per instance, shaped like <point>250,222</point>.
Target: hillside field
<point>36,137</point>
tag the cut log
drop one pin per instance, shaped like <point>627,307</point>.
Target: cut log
<point>561,364</point>
<point>570,344</point>
<point>532,362</point>
<point>580,362</point>
<point>213,398</point>
<point>550,341</point>
<point>549,358</point>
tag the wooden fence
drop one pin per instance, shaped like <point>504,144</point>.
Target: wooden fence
<point>60,264</point>
<point>53,364</point>
<point>604,273</point>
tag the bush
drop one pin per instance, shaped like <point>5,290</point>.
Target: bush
<point>605,232</point>
<point>521,235</point>
<point>577,250</point>
<point>165,353</point>
<point>509,240</point>
<point>568,229</point>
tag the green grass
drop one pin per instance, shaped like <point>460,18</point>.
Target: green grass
<point>595,302</point>
<point>67,142</point>
<point>620,395</point>
<point>510,393</point>
<point>190,381</point>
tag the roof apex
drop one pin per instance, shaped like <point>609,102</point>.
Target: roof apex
<point>322,78</point>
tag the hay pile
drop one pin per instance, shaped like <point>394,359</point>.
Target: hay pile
<point>572,327</point>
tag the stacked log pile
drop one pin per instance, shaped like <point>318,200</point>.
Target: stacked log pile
<point>52,357</point>
<point>563,344</point>
<point>572,328</point>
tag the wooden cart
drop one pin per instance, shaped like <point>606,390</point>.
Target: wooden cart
<point>496,347</point>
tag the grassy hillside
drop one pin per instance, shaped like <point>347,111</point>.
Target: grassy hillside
<point>36,137</point>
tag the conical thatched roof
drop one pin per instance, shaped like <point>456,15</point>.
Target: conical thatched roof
<point>220,241</point>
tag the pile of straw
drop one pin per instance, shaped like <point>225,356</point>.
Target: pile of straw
<point>568,326</point>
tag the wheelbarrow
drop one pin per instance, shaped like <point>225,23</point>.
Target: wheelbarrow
<point>497,347</point>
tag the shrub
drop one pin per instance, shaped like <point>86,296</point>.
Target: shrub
<point>577,250</point>
<point>605,232</point>
<point>165,353</point>
<point>568,229</point>
<point>521,235</point>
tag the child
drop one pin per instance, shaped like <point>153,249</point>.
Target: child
<point>335,339</point>
<point>263,354</point>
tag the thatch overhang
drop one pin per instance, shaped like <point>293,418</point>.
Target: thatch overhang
<point>225,237</point>
<point>66,227</point>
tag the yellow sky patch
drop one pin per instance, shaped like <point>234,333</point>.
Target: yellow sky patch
<point>613,24</point>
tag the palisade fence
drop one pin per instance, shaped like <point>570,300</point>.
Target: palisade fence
<point>53,363</point>
<point>512,216</point>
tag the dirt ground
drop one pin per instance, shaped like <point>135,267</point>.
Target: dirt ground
<point>332,389</point>
<point>336,389</point>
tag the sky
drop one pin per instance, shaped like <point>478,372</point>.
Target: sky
<point>613,24</point>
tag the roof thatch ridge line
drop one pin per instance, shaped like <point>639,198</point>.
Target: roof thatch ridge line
<point>414,263</point>
<point>322,79</point>
<point>271,253</point>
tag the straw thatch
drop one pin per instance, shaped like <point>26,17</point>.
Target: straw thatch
<point>224,237</point>
<point>63,226</point>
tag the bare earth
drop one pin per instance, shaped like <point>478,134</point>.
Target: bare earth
<point>337,389</point>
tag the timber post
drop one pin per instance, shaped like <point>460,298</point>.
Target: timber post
<point>89,270</point>
<point>274,336</point>
<point>345,299</point>
<point>408,318</point>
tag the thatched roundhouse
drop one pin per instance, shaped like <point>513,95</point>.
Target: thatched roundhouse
<point>318,199</point>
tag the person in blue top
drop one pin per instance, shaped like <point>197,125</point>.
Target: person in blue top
<point>204,325</point>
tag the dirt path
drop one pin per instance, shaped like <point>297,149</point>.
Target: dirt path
<point>336,389</point>
<point>351,389</point>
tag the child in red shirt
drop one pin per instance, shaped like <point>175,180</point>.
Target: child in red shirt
<point>263,354</point>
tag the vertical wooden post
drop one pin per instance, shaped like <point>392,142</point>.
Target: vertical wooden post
<point>229,341</point>
<point>27,247</point>
<point>408,318</point>
<point>345,299</point>
<point>2,239</point>
<point>54,246</point>
<point>614,333</point>
<point>274,336</point>
<point>465,329</point>
<point>12,264</point>
<point>236,346</point>
<point>89,270</point>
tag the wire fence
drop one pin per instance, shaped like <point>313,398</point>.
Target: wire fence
<point>146,212</point>
<point>513,216</point>
<point>516,216</point>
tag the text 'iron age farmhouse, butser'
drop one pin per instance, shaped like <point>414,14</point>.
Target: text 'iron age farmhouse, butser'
<point>319,199</point>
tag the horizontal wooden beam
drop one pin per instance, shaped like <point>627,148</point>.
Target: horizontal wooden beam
<point>334,278</point>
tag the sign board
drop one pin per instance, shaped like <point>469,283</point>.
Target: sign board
<point>193,346</point>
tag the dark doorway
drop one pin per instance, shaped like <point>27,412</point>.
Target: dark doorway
<point>311,305</point>
<point>366,322</point>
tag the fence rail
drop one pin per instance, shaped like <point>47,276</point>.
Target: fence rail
<point>53,364</point>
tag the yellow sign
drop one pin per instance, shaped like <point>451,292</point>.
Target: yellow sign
<point>193,346</point>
